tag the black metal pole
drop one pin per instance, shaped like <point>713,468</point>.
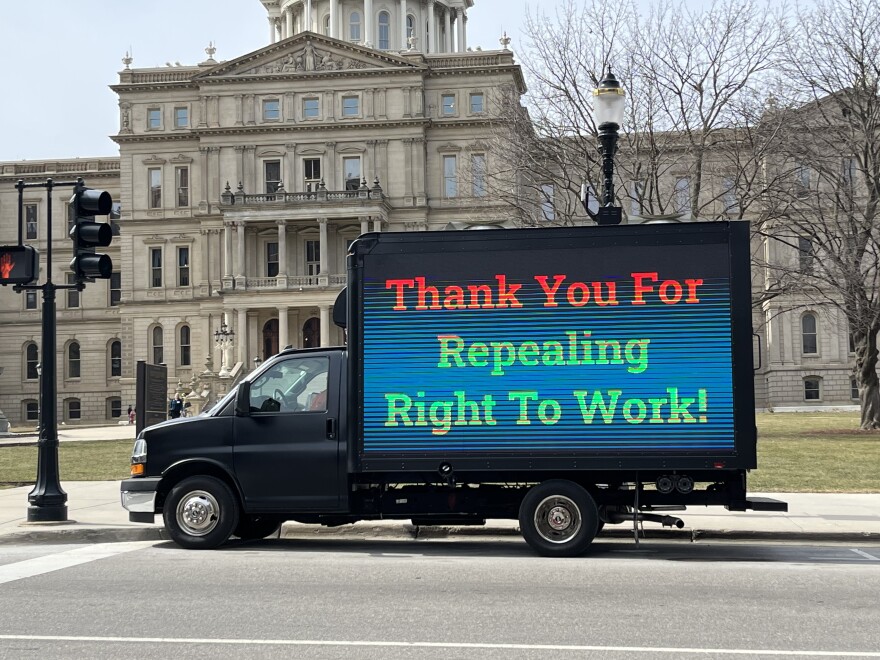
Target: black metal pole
<point>20,186</point>
<point>608,144</point>
<point>48,501</point>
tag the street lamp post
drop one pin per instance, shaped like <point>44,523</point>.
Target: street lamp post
<point>224,338</point>
<point>608,111</point>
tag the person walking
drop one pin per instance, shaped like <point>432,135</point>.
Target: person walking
<point>176,407</point>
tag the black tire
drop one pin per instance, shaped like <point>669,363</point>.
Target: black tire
<point>200,513</point>
<point>254,528</point>
<point>558,518</point>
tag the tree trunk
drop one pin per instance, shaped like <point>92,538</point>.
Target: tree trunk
<point>869,384</point>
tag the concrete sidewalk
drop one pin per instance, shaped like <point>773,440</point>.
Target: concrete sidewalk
<point>99,518</point>
<point>74,433</point>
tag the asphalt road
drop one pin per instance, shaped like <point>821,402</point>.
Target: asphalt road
<point>438,599</point>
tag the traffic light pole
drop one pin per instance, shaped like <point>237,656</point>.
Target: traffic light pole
<point>48,501</point>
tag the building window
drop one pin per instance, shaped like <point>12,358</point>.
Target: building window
<point>73,408</point>
<point>450,177</point>
<point>115,358</point>
<point>805,255</point>
<point>154,118</point>
<point>478,171</point>
<point>853,389</point>
<point>30,299</point>
<point>447,104</point>
<point>476,103</point>
<point>638,194</point>
<point>384,30</point>
<point>31,411</point>
<point>271,110</point>
<point>30,220</point>
<point>548,205</point>
<point>313,258</point>
<point>73,362</point>
<point>183,266</point>
<point>848,174</point>
<point>115,289</point>
<point>354,27</point>
<point>312,173</point>
<point>155,267</point>
<point>32,359</point>
<point>185,342</point>
<point>809,334</point>
<point>351,168</point>
<point>72,294</point>
<point>157,344</point>
<point>327,25</point>
<point>682,196</point>
<point>271,259</point>
<point>181,117</point>
<point>181,175</point>
<point>351,106</point>
<point>728,195</point>
<point>410,26</point>
<point>812,388</point>
<point>272,175</point>
<point>852,342</point>
<point>802,177</point>
<point>154,176</point>
<point>114,407</point>
<point>311,109</point>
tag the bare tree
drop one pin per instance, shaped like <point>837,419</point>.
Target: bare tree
<point>822,207</point>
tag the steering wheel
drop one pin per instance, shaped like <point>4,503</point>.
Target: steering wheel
<point>279,396</point>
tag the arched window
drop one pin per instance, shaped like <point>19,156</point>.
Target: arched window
<point>115,358</point>
<point>185,359</point>
<point>327,25</point>
<point>410,26</point>
<point>73,369</point>
<point>384,30</point>
<point>354,27</point>
<point>157,345</point>
<point>32,359</point>
<point>311,333</point>
<point>809,334</point>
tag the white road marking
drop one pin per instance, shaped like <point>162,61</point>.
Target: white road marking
<point>56,562</point>
<point>865,554</point>
<point>442,645</point>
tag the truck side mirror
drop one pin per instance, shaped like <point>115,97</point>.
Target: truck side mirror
<point>243,399</point>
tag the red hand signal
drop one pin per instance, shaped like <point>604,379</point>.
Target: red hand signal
<point>7,263</point>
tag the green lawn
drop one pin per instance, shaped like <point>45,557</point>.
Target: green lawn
<point>797,452</point>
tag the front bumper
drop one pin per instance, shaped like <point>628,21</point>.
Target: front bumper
<point>139,498</point>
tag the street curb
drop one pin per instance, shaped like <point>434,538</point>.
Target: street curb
<point>426,533</point>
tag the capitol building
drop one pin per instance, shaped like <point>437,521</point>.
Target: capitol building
<point>241,184</point>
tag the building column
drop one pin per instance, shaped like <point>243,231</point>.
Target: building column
<point>239,266</point>
<point>283,328</point>
<point>307,19</point>
<point>403,35</point>
<point>322,225</point>
<point>282,249</point>
<point>289,16</point>
<point>447,26</point>
<point>272,30</point>
<point>368,32</point>
<point>432,37</point>
<point>334,18</point>
<point>464,31</point>
<point>459,26</point>
<point>227,249</point>
<point>241,336</point>
<point>325,325</point>
<point>365,224</point>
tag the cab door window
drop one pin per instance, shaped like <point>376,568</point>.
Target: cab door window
<point>293,385</point>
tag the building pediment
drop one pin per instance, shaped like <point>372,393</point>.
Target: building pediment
<point>306,54</point>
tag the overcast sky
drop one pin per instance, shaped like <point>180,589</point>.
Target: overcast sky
<point>59,56</point>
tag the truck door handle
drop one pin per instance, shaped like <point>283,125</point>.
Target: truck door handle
<point>331,428</point>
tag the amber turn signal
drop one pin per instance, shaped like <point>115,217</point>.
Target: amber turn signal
<point>137,470</point>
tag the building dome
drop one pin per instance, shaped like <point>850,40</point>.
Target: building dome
<point>435,26</point>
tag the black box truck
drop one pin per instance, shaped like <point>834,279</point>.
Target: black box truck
<point>567,378</point>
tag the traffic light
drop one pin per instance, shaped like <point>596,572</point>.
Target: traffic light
<point>87,234</point>
<point>18,264</point>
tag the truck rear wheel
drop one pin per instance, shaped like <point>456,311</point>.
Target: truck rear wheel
<point>558,518</point>
<point>200,513</point>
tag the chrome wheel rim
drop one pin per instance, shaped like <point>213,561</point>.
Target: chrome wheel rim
<point>198,513</point>
<point>557,519</point>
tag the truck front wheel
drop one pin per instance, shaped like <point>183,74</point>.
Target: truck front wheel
<point>558,518</point>
<point>200,513</point>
